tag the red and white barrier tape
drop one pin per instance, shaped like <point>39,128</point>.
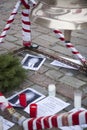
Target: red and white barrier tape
<point>57,121</point>
<point>70,46</point>
<point>9,22</point>
<point>26,24</point>
<point>26,30</point>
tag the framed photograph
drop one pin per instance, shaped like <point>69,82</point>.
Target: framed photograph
<point>32,62</point>
<point>32,96</point>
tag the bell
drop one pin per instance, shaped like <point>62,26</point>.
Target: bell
<point>61,14</point>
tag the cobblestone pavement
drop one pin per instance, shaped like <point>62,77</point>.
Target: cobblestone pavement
<point>66,80</point>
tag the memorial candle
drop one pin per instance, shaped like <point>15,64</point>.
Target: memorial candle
<point>77,98</point>
<point>51,90</point>
<point>33,110</point>
<point>22,99</point>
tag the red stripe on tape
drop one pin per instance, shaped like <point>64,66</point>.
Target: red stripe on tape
<point>86,117</point>
<point>62,39</point>
<point>30,124</point>
<point>25,4</point>
<point>26,30</point>
<point>25,14</point>
<point>10,21</point>
<point>26,22</point>
<point>69,45</point>
<point>27,43</point>
<point>5,29</point>
<point>46,122</point>
<point>54,121</point>
<point>57,31</point>
<point>75,52</point>
<point>14,13</point>
<point>75,118</point>
<point>38,123</point>
<point>2,36</point>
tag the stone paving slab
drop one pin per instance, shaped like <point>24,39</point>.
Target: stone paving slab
<point>72,81</point>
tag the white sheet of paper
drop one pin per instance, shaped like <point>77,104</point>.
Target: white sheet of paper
<point>60,64</point>
<point>49,106</point>
<point>72,60</point>
<point>7,124</point>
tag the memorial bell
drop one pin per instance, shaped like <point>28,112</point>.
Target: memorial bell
<point>66,15</point>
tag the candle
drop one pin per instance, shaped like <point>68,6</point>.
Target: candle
<point>22,99</point>
<point>33,110</point>
<point>51,90</point>
<point>77,99</point>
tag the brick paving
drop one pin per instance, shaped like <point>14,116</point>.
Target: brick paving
<point>66,80</point>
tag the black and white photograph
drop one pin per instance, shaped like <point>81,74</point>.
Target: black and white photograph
<point>32,62</point>
<point>32,96</point>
